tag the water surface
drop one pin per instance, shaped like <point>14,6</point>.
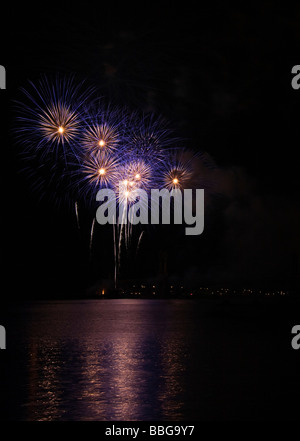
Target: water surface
<point>147,360</point>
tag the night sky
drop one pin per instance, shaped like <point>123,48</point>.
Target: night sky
<point>222,76</point>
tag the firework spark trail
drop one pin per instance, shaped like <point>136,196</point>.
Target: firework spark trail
<point>77,215</point>
<point>139,242</point>
<point>115,252</point>
<point>122,230</point>
<point>91,237</point>
<point>128,231</point>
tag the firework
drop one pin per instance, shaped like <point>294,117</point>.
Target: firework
<point>99,137</point>
<point>77,146</point>
<point>100,170</point>
<point>103,129</point>
<point>149,137</point>
<point>138,173</point>
<point>51,118</point>
<point>132,175</point>
<point>178,172</point>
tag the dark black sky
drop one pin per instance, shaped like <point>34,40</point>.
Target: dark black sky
<point>222,75</point>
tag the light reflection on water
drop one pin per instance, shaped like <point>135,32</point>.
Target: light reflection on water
<point>147,360</point>
<point>111,360</point>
